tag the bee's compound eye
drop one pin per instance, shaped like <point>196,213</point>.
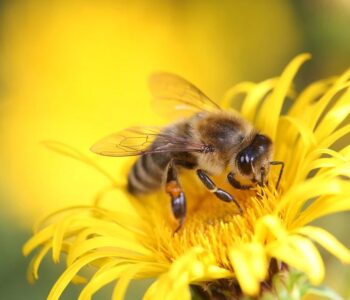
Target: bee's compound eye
<point>244,164</point>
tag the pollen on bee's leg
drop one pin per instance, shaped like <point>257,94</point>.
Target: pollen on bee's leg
<point>173,189</point>
<point>178,201</point>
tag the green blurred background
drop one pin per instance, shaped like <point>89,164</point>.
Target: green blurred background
<point>67,68</point>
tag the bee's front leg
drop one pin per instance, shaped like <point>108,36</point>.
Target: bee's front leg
<point>177,196</point>
<point>218,192</point>
<point>236,184</point>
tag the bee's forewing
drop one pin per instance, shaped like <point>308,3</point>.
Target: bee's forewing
<point>174,96</point>
<point>139,141</point>
<point>128,142</point>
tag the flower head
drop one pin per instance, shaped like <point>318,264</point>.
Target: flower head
<point>216,243</point>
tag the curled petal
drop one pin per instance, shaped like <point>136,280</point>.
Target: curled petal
<point>326,240</point>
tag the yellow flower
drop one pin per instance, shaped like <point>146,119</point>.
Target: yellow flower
<point>216,242</point>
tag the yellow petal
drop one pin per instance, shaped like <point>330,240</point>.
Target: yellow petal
<point>310,95</point>
<point>334,136</point>
<point>300,253</point>
<point>299,194</point>
<point>123,283</point>
<point>321,207</point>
<point>254,97</point>
<point>73,269</point>
<point>332,120</point>
<point>269,226</point>
<point>40,238</point>
<point>247,281</point>
<point>302,129</point>
<point>35,263</point>
<point>326,240</point>
<point>320,106</point>
<point>108,242</point>
<point>273,105</point>
<point>250,264</point>
<point>241,88</point>
<point>103,279</point>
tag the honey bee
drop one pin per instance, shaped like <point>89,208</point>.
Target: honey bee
<point>209,141</point>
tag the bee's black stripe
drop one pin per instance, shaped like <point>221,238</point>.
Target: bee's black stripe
<point>134,185</point>
<point>149,170</point>
<point>147,173</point>
<point>132,189</point>
<point>139,178</point>
<point>152,168</point>
<point>136,173</point>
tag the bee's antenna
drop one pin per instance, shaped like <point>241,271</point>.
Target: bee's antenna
<point>281,163</point>
<point>261,183</point>
<point>252,166</point>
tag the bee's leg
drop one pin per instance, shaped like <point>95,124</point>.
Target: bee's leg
<point>220,193</point>
<point>236,184</point>
<point>177,196</point>
<point>281,163</point>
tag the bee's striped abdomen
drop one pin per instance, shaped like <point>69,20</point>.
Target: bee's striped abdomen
<point>147,173</point>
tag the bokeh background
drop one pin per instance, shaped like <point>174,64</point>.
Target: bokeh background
<point>68,69</point>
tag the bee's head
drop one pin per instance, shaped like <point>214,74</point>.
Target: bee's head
<point>253,162</point>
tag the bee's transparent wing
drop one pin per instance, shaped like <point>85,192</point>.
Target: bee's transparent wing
<point>174,95</point>
<point>140,140</point>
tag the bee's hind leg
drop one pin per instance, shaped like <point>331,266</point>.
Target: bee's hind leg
<point>177,196</point>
